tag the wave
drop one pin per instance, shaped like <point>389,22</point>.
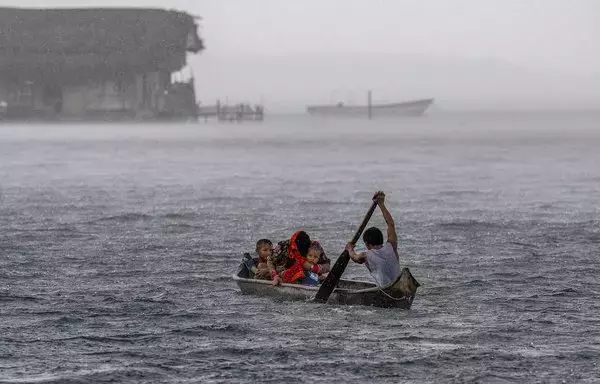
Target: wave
<point>181,215</point>
<point>476,283</point>
<point>529,245</point>
<point>227,329</point>
<point>468,224</point>
<point>185,226</point>
<point>94,375</point>
<point>130,338</point>
<point>566,292</point>
<point>325,203</point>
<point>6,298</point>
<point>454,193</point>
<point>60,228</point>
<point>153,300</point>
<point>503,275</point>
<point>69,320</point>
<point>125,217</point>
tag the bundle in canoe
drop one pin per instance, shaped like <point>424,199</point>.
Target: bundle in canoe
<point>399,294</point>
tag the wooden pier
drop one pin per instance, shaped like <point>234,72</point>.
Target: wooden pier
<point>230,113</point>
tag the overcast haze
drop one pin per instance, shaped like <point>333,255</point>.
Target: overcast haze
<point>465,53</point>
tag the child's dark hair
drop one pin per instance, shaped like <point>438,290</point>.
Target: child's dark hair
<point>373,236</point>
<point>262,242</point>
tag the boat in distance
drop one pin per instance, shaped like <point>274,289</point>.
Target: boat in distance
<point>399,294</point>
<point>400,109</point>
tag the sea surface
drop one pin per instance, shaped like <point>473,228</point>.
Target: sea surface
<point>118,243</point>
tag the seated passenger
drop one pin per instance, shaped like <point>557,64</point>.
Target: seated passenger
<point>282,256</point>
<point>259,268</point>
<point>313,271</point>
<point>288,261</point>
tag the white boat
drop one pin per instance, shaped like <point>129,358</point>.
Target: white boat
<point>405,108</point>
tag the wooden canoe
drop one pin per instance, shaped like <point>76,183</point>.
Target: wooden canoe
<point>399,294</point>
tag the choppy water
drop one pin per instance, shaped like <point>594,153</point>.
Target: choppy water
<point>117,246</point>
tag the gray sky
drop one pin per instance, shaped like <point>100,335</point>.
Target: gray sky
<point>547,33</point>
<point>481,38</point>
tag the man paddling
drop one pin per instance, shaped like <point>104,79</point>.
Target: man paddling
<point>381,259</point>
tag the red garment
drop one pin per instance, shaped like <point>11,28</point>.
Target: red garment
<point>296,271</point>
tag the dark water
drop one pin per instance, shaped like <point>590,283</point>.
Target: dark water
<point>117,246</point>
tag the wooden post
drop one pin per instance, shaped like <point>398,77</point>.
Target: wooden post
<point>369,103</point>
<point>218,110</point>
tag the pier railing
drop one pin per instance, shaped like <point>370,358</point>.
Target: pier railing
<point>236,112</point>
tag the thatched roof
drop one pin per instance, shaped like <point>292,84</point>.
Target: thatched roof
<point>111,35</point>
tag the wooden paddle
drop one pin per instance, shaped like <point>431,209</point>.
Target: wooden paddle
<point>332,279</point>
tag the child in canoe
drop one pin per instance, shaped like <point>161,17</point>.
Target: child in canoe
<point>314,273</point>
<point>259,266</point>
<point>287,254</point>
<point>297,266</point>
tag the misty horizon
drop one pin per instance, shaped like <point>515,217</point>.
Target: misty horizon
<point>465,54</point>
<point>289,82</point>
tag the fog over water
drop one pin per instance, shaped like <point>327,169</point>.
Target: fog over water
<point>467,54</point>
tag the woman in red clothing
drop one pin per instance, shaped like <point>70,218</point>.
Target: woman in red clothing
<point>288,262</point>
